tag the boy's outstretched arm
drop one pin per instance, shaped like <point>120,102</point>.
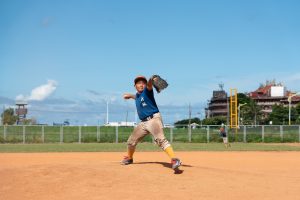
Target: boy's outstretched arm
<point>128,96</point>
<point>149,84</point>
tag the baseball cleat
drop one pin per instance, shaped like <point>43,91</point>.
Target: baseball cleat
<point>175,162</point>
<point>126,161</point>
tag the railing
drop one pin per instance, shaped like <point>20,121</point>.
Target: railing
<point>180,133</point>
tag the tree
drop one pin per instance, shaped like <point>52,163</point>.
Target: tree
<point>31,121</point>
<point>255,111</point>
<point>185,122</point>
<point>214,121</point>
<point>298,109</point>
<point>280,115</point>
<point>243,98</point>
<point>9,117</point>
<point>250,112</point>
<point>297,113</point>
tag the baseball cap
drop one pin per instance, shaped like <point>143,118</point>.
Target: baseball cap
<point>140,78</point>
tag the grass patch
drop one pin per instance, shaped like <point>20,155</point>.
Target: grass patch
<point>121,147</point>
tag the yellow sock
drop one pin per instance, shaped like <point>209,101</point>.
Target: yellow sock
<point>170,152</point>
<point>130,152</point>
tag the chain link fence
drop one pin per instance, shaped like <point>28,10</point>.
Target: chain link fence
<point>180,133</point>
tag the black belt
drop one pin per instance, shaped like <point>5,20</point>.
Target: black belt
<point>148,118</point>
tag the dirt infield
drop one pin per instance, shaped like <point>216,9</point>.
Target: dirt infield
<point>206,175</point>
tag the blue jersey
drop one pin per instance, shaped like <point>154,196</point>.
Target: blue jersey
<point>145,104</point>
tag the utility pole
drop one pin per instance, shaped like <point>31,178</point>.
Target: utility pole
<point>106,111</point>
<point>189,128</point>
<point>190,114</point>
<point>3,115</point>
<point>200,117</point>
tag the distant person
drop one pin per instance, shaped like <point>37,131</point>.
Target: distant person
<point>224,136</point>
<point>151,121</point>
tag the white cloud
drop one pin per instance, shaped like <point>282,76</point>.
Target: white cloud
<point>39,93</point>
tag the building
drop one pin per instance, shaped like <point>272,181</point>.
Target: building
<point>272,94</point>
<point>266,96</point>
<point>218,104</point>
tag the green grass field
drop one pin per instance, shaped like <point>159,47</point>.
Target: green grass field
<point>121,147</point>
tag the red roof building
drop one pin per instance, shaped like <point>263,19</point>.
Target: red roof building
<point>272,94</point>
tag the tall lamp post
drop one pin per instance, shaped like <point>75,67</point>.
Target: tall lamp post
<point>239,112</point>
<point>290,102</point>
<point>200,116</point>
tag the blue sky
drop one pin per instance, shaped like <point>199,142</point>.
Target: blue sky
<point>92,50</point>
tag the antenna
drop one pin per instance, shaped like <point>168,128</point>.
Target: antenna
<point>221,86</point>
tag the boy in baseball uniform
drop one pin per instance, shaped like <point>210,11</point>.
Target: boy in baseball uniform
<point>224,136</point>
<point>151,122</point>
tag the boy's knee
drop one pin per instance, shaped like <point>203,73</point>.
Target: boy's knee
<point>162,143</point>
<point>131,143</point>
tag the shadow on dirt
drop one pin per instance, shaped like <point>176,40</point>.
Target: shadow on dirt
<point>164,164</point>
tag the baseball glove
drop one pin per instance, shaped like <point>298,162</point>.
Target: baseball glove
<point>159,83</point>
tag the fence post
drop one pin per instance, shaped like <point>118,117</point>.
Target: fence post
<point>79,134</point>
<point>299,133</point>
<point>24,132</point>
<point>98,134</point>
<point>4,132</point>
<point>245,133</point>
<point>263,133</point>
<point>117,134</point>
<point>190,133</point>
<point>281,133</point>
<point>43,134</point>
<point>61,134</point>
<point>207,134</point>
<point>171,134</point>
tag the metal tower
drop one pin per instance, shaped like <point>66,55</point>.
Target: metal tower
<point>21,111</point>
<point>233,109</point>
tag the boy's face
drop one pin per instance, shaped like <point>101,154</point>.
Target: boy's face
<point>140,86</point>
